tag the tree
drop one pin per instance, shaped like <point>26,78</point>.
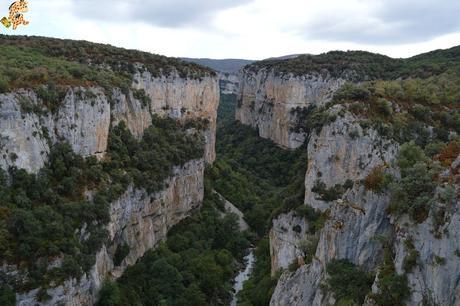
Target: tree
<point>110,295</point>
<point>347,281</point>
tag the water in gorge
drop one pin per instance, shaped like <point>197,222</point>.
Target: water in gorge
<point>243,276</point>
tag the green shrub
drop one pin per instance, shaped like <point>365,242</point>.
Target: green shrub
<point>410,261</point>
<point>348,282</point>
<point>328,194</point>
<point>420,112</point>
<point>120,254</point>
<point>434,148</point>
<point>315,218</point>
<point>109,295</point>
<point>311,119</point>
<point>441,261</point>
<point>4,86</point>
<point>308,248</point>
<point>142,96</point>
<point>7,295</point>
<point>414,192</point>
<point>384,107</point>
<point>393,288</point>
<point>351,92</point>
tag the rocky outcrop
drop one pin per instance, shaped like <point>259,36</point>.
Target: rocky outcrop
<point>286,235</point>
<point>138,220</point>
<point>267,102</point>
<point>341,156</point>
<point>344,151</point>
<point>232,209</point>
<point>229,83</point>
<point>83,119</point>
<point>434,280</point>
<point>354,220</point>
<point>184,99</point>
<point>86,114</point>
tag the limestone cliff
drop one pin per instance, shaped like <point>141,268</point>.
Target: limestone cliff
<point>268,102</point>
<point>83,118</point>
<point>357,220</point>
<point>183,99</point>
<point>354,219</point>
<point>138,220</point>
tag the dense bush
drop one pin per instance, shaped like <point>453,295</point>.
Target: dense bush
<point>356,65</point>
<point>311,119</point>
<point>348,282</point>
<point>377,180</point>
<point>142,96</point>
<point>393,288</point>
<point>315,218</point>
<point>414,192</point>
<point>149,162</point>
<point>330,194</point>
<point>410,261</point>
<point>7,295</point>
<point>42,213</point>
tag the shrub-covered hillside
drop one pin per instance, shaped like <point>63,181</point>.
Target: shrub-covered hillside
<point>360,65</point>
<point>31,61</point>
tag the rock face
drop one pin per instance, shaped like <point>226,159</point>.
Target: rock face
<point>229,83</point>
<point>184,99</point>
<point>232,209</point>
<point>286,235</point>
<point>435,278</point>
<point>85,117</point>
<point>138,220</point>
<point>343,150</point>
<point>267,102</point>
<point>354,219</point>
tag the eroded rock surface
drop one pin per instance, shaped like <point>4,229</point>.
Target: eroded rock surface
<point>355,219</point>
<point>268,101</point>
<point>139,220</point>
<point>85,116</point>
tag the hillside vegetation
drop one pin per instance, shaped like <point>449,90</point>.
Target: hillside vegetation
<point>26,62</point>
<point>361,65</point>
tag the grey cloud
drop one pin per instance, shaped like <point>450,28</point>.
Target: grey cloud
<point>164,13</point>
<point>393,22</point>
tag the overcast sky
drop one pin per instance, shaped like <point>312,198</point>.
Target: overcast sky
<point>251,29</point>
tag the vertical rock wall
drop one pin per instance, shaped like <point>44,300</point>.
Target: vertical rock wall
<point>267,102</point>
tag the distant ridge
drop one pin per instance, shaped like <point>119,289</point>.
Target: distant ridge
<point>223,65</point>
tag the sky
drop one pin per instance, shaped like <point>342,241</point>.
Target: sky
<point>249,29</point>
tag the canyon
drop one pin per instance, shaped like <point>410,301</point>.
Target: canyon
<point>339,172</point>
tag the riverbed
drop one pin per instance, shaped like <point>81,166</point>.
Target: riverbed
<point>243,276</point>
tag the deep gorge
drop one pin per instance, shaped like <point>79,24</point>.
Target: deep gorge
<point>117,167</point>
